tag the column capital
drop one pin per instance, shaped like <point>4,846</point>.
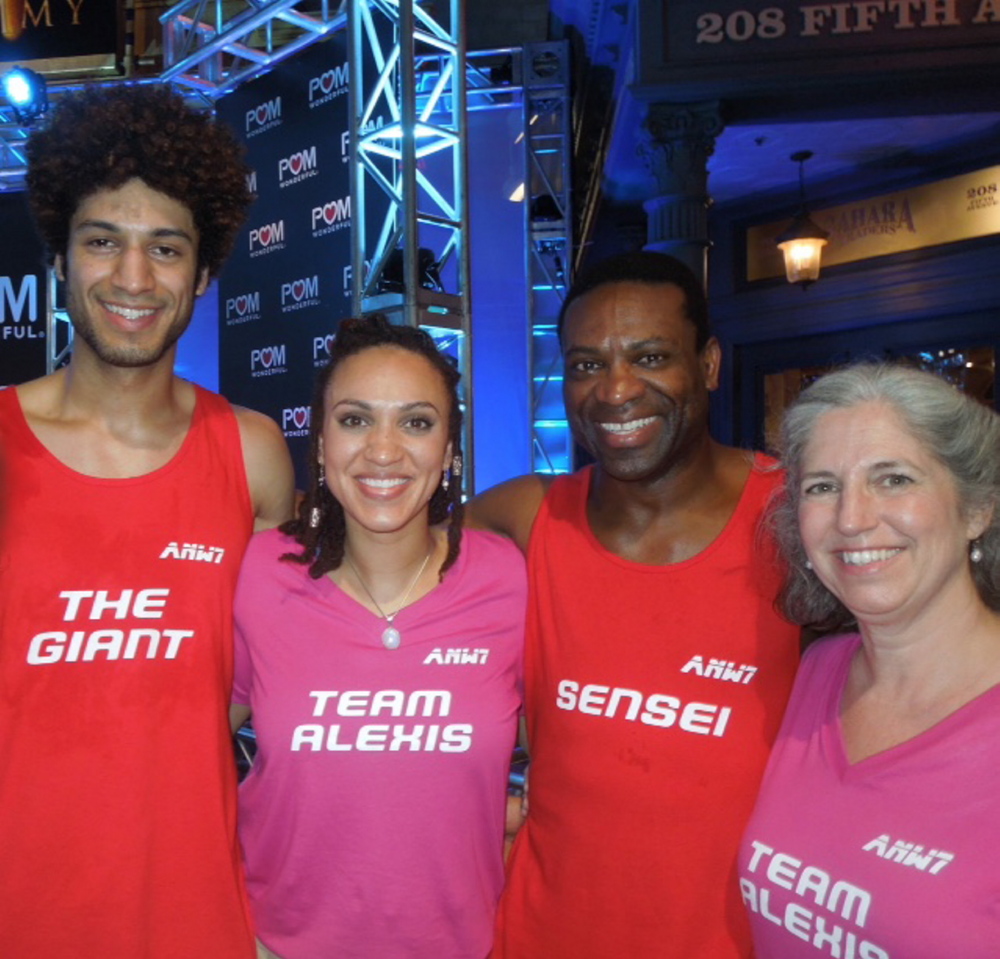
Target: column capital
<point>678,140</point>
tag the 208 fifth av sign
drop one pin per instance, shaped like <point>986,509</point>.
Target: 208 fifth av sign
<point>711,36</point>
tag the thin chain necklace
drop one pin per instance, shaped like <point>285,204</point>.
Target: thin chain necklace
<point>391,639</point>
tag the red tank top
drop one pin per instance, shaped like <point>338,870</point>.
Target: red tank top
<point>653,694</point>
<point>117,785</point>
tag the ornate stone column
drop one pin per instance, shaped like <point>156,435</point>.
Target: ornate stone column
<point>678,140</point>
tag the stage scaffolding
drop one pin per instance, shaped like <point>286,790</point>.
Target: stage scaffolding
<point>413,74</point>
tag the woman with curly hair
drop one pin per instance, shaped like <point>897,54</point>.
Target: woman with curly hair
<point>379,648</point>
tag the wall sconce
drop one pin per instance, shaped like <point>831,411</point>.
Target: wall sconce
<point>802,241</point>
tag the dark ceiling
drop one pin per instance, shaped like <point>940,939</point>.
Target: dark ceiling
<point>861,140</point>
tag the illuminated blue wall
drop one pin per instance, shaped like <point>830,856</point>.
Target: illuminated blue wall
<point>198,349</point>
<point>500,338</point>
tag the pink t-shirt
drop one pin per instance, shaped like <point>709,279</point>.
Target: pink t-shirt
<point>894,856</point>
<point>372,820</point>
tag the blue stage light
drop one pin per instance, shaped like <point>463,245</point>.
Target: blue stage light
<point>26,93</point>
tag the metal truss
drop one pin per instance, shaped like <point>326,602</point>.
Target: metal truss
<point>410,255</point>
<point>548,226</point>
<point>58,328</point>
<point>13,162</point>
<point>408,138</point>
<point>415,85</point>
<point>210,47</point>
<point>215,45</point>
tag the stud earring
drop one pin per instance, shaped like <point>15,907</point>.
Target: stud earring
<point>808,564</point>
<point>445,481</point>
<point>976,552</point>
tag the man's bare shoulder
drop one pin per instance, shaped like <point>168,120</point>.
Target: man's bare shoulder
<point>734,466</point>
<point>509,508</point>
<point>41,399</point>
<point>710,495</point>
<point>256,427</point>
<point>269,467</point>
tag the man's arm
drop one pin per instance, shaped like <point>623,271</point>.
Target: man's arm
<point>509,508</point>
<point>517,804</point>
<point>238,715</point>
<point>269,468</point>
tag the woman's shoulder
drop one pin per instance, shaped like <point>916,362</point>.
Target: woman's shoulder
<point>267,547</point>
<point>264,575</point>
<point>819,681</point>
<point>827,652</point>
<point>492,560</point>
<point>487,546</point>
<point>272,539</point>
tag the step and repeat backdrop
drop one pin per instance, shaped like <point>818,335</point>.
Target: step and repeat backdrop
<point>288,282</point>
<point>22,294</point>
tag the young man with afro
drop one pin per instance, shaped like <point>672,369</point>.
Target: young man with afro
<point>130,496</point>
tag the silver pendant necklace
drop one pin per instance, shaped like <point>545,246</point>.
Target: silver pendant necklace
<point>391,638</point>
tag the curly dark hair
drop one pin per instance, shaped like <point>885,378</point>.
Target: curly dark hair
<point>102,137</point>
<point>323,545</point>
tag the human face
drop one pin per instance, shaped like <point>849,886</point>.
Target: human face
<point>384,444</point>
<point>880,518</point>
<point>635,386</point>
<point>131,274</point>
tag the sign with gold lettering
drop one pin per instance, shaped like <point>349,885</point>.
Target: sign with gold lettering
<point>719,37</point>
<point>959,208</point>
<point>60,35</point>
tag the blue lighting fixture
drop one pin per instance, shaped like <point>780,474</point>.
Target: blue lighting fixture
<point>25,91</point>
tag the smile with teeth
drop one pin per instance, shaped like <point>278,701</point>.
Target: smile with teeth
<point>862,557</point>
<point>630,427</point>
<point>129,313</point>
<point>377,483</point>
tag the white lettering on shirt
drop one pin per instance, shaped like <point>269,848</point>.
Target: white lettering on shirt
<point>457,657</point>
<point>382,737</point>
<point>655,709</point>
<point>909,854</point>
<point>823,911</point>
<point>82,607</point>
<point>720,669</point>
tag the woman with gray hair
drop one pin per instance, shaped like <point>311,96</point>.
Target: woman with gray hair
<point>875,831</point>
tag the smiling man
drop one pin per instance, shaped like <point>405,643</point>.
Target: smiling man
<point>130,495</point>
<point>656,666</point>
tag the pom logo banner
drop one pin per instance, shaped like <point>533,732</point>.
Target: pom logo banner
<point>22,294</point>
<point>281,293</point>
